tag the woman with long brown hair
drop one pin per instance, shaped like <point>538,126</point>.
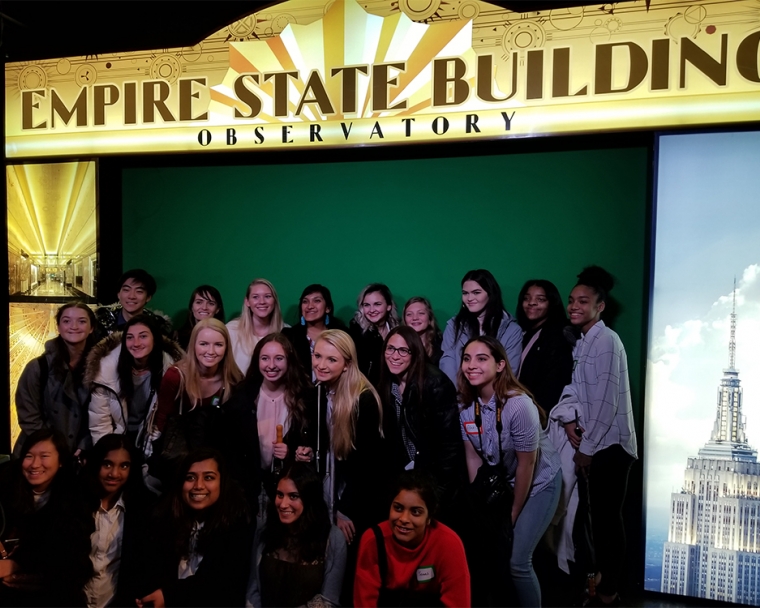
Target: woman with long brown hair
<point>501,427</point>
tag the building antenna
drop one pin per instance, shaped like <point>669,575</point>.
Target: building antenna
<point>732,341</point>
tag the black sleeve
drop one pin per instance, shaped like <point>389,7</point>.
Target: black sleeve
<point>222,576</point>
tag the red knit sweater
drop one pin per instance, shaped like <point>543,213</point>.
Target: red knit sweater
<point>439,561</point>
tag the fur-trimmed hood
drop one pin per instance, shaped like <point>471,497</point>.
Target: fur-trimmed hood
<point>102,366</point>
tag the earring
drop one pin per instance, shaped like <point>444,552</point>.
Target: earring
<point>327,319</point>
<point>303,321</point>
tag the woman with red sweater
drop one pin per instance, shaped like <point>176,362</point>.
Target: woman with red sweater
<point>411,559</point>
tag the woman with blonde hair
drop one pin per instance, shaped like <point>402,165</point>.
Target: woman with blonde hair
<point>260,317</point>
<point>375,316</point>
<point>418,314</point>
<point>351,450</point>
<point>199,383</point>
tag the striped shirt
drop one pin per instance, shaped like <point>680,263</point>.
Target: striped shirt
<point>521,433</point>
<point>600,382</point>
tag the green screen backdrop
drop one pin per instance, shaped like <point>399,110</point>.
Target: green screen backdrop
<point>417,225</point>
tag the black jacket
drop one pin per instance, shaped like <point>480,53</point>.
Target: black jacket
<point>297,337</point>
<point>369,350</point>
<point>365,470</point>
<point>430,415</point>
<point>548,366</point>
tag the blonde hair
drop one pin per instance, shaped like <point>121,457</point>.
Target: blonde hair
<point>245,320</point>
<point>188,366</point>
<point>431,333</point>
<point>391,318</point>
<point>351,384</point>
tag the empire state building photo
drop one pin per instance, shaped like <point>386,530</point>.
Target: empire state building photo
<point>713,546</point>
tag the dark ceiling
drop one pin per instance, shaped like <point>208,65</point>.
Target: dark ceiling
<point>43,30</point>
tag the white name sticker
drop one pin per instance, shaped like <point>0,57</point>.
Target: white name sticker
<point>470,428</point>
<point>425,574</point>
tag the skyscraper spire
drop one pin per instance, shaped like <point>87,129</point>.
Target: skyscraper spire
<point>732,340</point>
<point>728,440</point>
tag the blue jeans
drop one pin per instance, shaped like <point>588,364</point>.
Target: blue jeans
<point>533,521</point>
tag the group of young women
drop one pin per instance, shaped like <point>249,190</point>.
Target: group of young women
<point>317,464</point>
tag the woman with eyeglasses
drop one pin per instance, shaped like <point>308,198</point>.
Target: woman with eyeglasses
<point>421,416</point>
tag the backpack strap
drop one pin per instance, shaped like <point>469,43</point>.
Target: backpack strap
<point>44,373</point>
<point>382,556</point>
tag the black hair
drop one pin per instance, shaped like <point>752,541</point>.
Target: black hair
<point>229,510</point>
<point>598,279</point>
<point>423,484</point>
<point>127,361</point>
<point>306,538</point>
<point>138,275</point>
<point>320,289</point>
<point>556,312</point>
<point>207,292</point>
<point>22,497</point>
<point>415,373</point>
<point>134,488</point>
<point>466,321</point>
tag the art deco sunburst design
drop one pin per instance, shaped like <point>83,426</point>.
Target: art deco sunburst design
<point>346,36</point>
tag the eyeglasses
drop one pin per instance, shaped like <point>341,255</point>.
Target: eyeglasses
<point>402,352</point>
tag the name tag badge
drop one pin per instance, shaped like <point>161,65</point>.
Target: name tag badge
<point>470,428</point>
<point>425,574</point>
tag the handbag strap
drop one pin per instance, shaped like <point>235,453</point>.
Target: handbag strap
<point>499,426</point>
<point>382,556</point>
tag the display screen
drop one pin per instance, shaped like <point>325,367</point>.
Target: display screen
<point>703,371</point>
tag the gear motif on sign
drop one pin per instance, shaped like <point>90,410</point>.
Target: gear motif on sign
<point>86,74</point>
<point>679,27</point>
<point>419,10</point>
<point>165,67</point>
<point>522,36</point>
<point>32,77</point>
<point>242,28</point>
<point>468,10</point>
<point>281,21</point>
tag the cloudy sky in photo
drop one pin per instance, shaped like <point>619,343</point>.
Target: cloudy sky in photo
<point>707,233</point>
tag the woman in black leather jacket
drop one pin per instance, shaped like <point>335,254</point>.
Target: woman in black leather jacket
<point>421,416</point>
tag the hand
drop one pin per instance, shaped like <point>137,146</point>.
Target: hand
<point>156,598</point>
<point>304,454</point>
<point>573,437</point>
<point>280,450</point>
<point>582,464</point>
<point>7,567</point>
<point>346,526</point>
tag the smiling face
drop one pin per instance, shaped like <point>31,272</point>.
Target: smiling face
<point>474,297</point>
<point>375,308</point>
<point>273,362</point>
<point>210,347</point>
<point>114,471</point>
<point>398,356</point>
<point>133,297</point>
<point>535,305</point>
<point>40,465</point>
<point>327,362</point>
<point>416,316</point>
<point>287,501</point>
<point>204,307</point>
<point>314,308</point>
<point>202,485</point>
<point>74,326</point>
<point>409,518</point>
<point>139,341</point>
<point>583,307</point>
<point>479,365</point>
<point>260,301</point>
